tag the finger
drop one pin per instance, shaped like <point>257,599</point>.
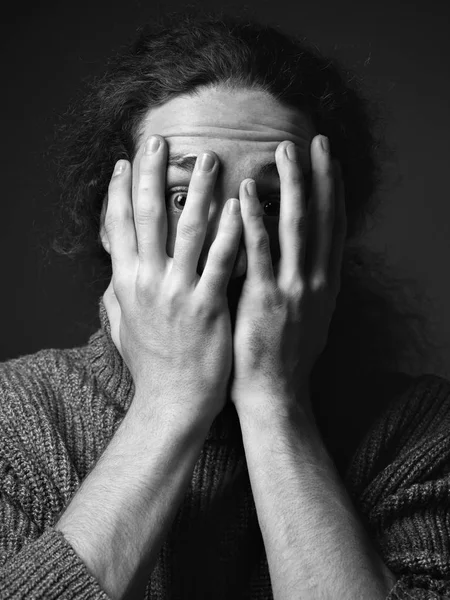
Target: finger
<point>114,313</point>
<point>339,231</point>
<point>119,224</point>
<point>103,236</point>
<point>256,238</point>
<point>193,223</point>
<point>222,254</point>
<point>322,212</point>
<point>293,217</point>
<point>149,208</point>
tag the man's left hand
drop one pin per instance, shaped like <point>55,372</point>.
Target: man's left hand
<point>283,317</point>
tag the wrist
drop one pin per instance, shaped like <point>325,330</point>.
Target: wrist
<point>169,411</point>
<point>270,405</point>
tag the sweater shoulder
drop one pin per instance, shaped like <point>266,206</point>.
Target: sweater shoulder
<point>50,365</point>
<point>50,404</point>
<point>38,380</point>
<point>411,432</point>
<point>419,410</point>
<point>399,480</point>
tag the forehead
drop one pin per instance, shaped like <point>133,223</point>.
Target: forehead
<point>236,124</point>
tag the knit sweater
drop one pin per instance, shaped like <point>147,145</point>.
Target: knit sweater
<point>60,408</point>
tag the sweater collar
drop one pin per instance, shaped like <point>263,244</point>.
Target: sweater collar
<point>116,382</point>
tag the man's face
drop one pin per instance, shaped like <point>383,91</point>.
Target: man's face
<point>243,127</point>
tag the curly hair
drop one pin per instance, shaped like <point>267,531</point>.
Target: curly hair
<point>380,322</point>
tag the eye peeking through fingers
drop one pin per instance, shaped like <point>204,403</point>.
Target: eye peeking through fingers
<point>176,199</point>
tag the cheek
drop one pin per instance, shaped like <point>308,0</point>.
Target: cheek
<point>172,223</point>
<point>271,224</point>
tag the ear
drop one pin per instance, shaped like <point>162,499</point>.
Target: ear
<point>103,234</point>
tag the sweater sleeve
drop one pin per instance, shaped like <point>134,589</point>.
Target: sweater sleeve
<point>37,481</point>
<point>399,480</point>
<point>47,568</point>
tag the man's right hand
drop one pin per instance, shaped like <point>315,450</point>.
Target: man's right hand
<point>171,326</point>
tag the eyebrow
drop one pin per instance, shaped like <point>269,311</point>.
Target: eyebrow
<point>187,164</point>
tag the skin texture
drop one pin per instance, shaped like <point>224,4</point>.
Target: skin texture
<point>243,128</point>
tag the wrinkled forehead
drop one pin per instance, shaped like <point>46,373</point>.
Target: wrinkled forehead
<point>240,116</point>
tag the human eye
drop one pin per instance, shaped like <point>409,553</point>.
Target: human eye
<point>271,206</point>
<point>174,199</point>
<point>271,202</point>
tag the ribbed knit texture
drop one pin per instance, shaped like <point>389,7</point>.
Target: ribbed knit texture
<point>60,408</point>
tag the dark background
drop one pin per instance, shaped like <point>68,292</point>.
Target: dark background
<point>402,48</point>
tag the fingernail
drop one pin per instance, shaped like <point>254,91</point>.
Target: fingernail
<point>120,166</point>
<point>250,186</point>
<point>325,144</point>
<point>152,145</point>
<point>206,162</point>
<point>292,152</point>
<point>233,206</point>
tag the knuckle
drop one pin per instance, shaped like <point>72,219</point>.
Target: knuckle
<point>220,260</point>
<point>318,282</point>
<point>189,230</point>
<point>145,195</point>
<point>143,285</point>
<point>295,287</point>
<point>112,222</point>
<point>146,213</point>
<point>222,254</point>
<point>121,283</point>
<point>208,301</point>
<point>299,223</point>
<point>271,299</point>
<point>260,242</point>
<point>115,216</point>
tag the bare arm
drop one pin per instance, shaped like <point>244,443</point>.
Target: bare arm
<point>173,331</point>
<point>316,545</point>
<point>119,517</point>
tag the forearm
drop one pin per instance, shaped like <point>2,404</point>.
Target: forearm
<point>316,545</point>
<point>118,519</point>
